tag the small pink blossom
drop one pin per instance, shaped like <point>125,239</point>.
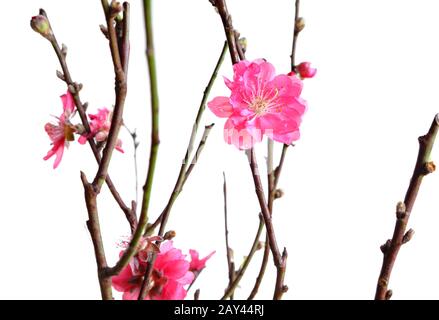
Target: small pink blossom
<point>305,71</point>
<point>170,275</point>
<point>62,132</point>
<point>100,124</point>
<point>261,103</point>
<point>198,264</point>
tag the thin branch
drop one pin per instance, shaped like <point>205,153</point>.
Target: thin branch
<point>155,141</point>
<point>240,273</point>
<point>120,91</point>
<point>229,251</point>
<point>273,177</point>
<point>197,154</point>
<point>390,250</point>
<point>297,28</point>
<point>185,169</point>
<point>167,211</point>
<point>228,28</point>
<point>278,258</point>
<point>74,89</point>
<point>136,143</point>
<point>95,232</point>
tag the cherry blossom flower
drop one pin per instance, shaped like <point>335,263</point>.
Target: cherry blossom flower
<point>198,264</point>
<point>61,132</point>
<point>261,103</point>
<point>305,71</point>
<point>100,124</point>
<point>169,275</point>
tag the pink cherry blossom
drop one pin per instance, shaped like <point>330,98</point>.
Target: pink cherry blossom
<point>100,124</point>
<point>261,103</point>
<point>198,264</point>
<point>61,133</point>
<point>170,275</point>
<point>305,71</point>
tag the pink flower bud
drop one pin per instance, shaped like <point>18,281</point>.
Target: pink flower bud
<point>41,25</point>
<point>305,71</point>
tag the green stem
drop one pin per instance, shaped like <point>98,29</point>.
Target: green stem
<point>155,141</point>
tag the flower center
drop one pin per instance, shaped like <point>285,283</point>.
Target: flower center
<point>258,106</point>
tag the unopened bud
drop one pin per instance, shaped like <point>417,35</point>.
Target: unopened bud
<point>429,167</point>
<point>300,24</point>
<point>260,245</point>
<point>305,71</point>
<point>385,247</point>
<point>408,236</point>
<point>389,294</point>
<point>115,8</point>
<point>64,50</point>
<point>104,31</point>
<point>400,210</point>
<point>278,193</point>
<point>41,25</point>
<point>170,235</point>
<point>243,43</point>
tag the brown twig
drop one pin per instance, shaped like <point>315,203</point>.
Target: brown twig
<point>273,177</point>
<point>155,141</point>
<point>228,28</point>
<point>298,26</point>
<point>74,89</point>
<point>390,250</point>
<point>240,273</point>
<point>120,91</point>
<point>229,250</point>
<point>279,259</point>
<point>197,294</point>
<point>95,232</point>
<point>92,190</point>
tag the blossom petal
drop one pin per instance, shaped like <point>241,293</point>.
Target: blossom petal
<point>132,294</point>
<point>175,269</point>
<point>241,135</point>
<point>172,291</point>
<point>221,107</point>
<point>196,263</point>
<point>59,154</point>
<point>287,86</point>
<point>188,278</point>
<point>122,282</point>
<point>82,139</point>
<point>68,102</point>
<point>286,138</point>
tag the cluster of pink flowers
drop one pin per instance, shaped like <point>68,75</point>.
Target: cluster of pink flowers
<point>62,131</point>
<point>262,103</point>
<point>171,272</point>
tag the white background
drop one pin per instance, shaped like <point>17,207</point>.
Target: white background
<point>375,92</point>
